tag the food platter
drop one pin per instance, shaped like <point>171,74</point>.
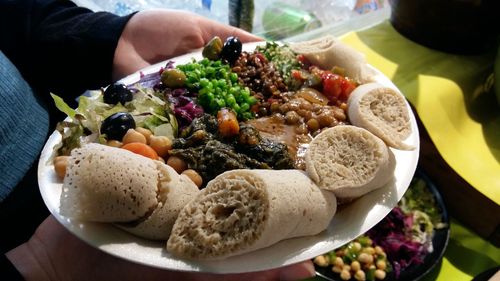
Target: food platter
<point>350,221</point>
<point>440,240</point>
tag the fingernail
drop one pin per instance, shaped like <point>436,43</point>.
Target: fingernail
<point>297,272</point>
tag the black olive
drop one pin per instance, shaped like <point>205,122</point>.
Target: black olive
<point>231,50</point>
<point>116,125</point>
<point>117,93</point>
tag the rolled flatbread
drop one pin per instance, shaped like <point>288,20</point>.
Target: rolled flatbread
<point>175,192</point>
<point>327,52</point>
<point>382,111</point>
<point>243,210</point>
<point>350,161</point>
<point>107,184</point>
<point>140,195</point>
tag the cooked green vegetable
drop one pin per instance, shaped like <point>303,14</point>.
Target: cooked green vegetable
<point>218,87</point>
<point>283,58</point>
<point>203,149</point>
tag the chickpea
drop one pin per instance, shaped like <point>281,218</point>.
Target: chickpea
<point>306,105</point>
<point>325,119</point>
<point>322,261</point>
<point>355,266</point>
<point>343,106</point>
<point>195,177</point>
<point>346,267</point>
<point>284,108</point>
<point>114,143</point>
<point>345,275</point>
<point>356,246</point>
<point>369,250</point>
<point>379,251</point>
<point>313,124</point>
<point>60,164</point>
<point>133,136</point>
<point>380,274</point>
<point>145,132</point>
<point>360,275</point>
<point>336,269</point>
<point>365,258</point>
<point>301,129</point>
<point>381,264</point>
<point>307,114</point>
<point>278,117</point>
<point>177,163</point>
<point>275,107</point>
<point>292,118</point>
<point>160,144</point>
<point>316,107</point>
<point>338,262</point>
<point>294,106</point>
<point>339,114</point>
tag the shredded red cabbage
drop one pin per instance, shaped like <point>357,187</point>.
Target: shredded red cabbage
<point>185,107</point>
<point>393,234</point>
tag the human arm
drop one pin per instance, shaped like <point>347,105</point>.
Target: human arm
<point>58,46</point>
<point>53,253</point>
<point>66,49</point>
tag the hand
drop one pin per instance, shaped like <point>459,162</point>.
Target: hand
<point>155,35</point>
<point>53,253</point>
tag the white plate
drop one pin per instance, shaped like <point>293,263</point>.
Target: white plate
<point>350,221</point>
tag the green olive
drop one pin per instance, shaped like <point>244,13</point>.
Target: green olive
<point>173,78</point>
<point>212,49</point>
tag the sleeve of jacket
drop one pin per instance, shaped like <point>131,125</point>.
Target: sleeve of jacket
<point>58,46</point>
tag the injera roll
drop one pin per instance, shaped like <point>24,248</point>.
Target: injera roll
<point>350,161</point>
<point>107,184</point>
<point>382,111</point>
<point>327,52</point>
<point>243,210</point>
<point>175,192</point>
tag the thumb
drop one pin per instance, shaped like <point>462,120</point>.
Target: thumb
<point>297,271</point>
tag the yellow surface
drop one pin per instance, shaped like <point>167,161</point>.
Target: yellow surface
<point>466,256</point>
<point>447,91</point>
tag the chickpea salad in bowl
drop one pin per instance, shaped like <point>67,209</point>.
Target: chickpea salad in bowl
<point>237,134</point>
<point>405,245</point>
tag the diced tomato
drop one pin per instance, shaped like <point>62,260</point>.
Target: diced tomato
<point>332,85</point>
<point>347,87</point>
<point>297,75</point>
<point>303,60</point>
<point>336,87</point>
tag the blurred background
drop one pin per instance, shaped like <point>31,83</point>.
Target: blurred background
<point>270,19</point>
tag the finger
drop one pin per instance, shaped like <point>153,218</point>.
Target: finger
<point>212,28</point>
<point>298,271</point>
